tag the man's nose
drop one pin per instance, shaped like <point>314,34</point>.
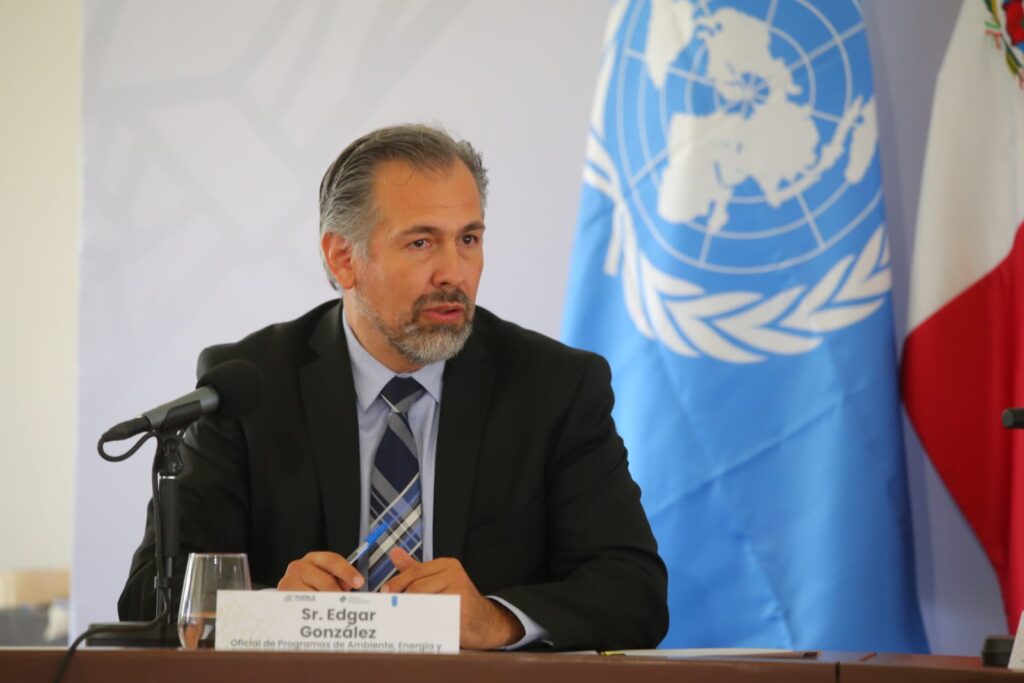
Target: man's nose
<point>449,268</point>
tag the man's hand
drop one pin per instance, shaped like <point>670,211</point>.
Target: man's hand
<point>484,623</point>
<point>320,571</point>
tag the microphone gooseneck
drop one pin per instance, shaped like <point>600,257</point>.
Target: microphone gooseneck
<point>233,389</point>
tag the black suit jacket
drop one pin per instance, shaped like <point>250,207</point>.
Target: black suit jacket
<point>532,491</point>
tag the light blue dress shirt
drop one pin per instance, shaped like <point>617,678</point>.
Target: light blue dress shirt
<point>369,376</point>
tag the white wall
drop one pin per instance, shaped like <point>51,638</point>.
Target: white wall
<point>960,600</point>
<point>207,129</point>
<point>40,134</point>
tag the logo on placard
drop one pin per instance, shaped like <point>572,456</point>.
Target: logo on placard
<point>732,145</point>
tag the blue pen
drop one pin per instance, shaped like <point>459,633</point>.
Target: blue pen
<point>371,538</point>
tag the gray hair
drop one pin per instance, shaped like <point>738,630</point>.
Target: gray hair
<point>346,192</point>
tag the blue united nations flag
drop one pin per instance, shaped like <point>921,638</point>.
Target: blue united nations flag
<point>732,264</point>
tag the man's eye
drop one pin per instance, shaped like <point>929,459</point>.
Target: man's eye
<point>418,244</point>
<point>470,239</point>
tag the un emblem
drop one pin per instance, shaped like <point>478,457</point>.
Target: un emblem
<point>738,143</point>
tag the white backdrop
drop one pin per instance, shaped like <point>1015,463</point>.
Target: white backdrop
<point>207,127</point>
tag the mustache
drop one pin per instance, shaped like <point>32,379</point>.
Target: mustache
<point>443,296</point>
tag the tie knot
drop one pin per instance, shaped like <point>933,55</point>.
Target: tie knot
<point>400,393</point>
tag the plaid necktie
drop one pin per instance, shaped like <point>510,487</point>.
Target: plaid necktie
<point>395,483</point>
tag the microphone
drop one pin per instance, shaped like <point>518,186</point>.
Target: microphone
<point>233,388</point>
<point>1013,418</point>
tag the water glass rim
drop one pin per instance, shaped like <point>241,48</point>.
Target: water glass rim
<point>218,555</point>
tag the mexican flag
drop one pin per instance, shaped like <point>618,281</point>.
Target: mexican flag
<point>963,359</point>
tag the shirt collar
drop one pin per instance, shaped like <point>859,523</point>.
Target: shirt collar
<point>370,375</point>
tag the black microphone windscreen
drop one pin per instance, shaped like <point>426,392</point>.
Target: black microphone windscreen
<point>238,383</point>
<point>1013,418</point>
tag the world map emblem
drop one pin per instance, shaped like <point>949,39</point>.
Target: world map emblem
<point>738,144</point>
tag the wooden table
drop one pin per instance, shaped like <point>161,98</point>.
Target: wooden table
<point>156,666</point>
<point>896,668</point>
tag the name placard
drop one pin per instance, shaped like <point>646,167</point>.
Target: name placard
<point>1017,653</point>
<point>337,622</point>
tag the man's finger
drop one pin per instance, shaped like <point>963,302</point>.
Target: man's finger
<point>321,571</point>
<point>401,559</point>
<point>302,575</point>
<point>408,571</point>
<point>433,584</point>
<point>413,571</point>
<point>337,566</point>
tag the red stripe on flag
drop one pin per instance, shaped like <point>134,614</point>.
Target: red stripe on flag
<point>961,367</point>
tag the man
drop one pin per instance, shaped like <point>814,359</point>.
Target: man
<point>487,451</point>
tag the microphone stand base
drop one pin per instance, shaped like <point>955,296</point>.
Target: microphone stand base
<point>159,635</point>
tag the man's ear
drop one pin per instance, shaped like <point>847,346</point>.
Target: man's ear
<point>339,257</point>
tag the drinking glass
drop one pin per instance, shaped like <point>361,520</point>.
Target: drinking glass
<point>206,574</point>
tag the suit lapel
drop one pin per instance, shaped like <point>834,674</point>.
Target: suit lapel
<point>329,398</point>
<point>464,399</point>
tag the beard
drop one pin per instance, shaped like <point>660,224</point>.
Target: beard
<point>422,343</point>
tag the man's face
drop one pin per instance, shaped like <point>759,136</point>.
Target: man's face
<point>411,301</point>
